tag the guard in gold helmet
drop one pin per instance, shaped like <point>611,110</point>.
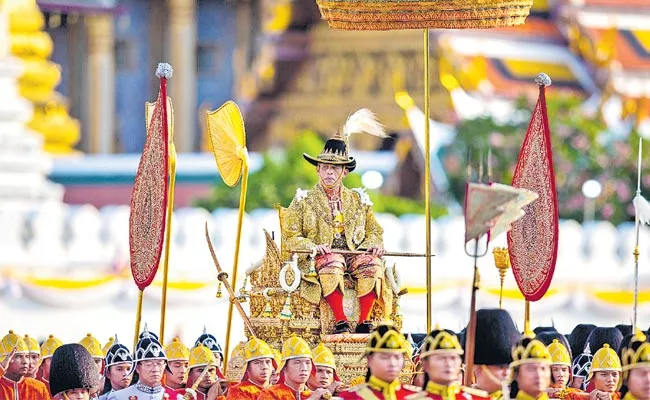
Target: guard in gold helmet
<point>198,383</point>
<point>95,349</point>
<point>34,356</point>
<point>385,352</point>
<point>325,375</point>
<point>14,364</point>
<point>260,364</point>
<point>295,367</point>
<point>560,371</point>
<point>604,376</point>
<point>530,369</point>
<point>275,375</point>
<point>178,358</point>
<point>636,368</point>
<point>441,361</point>
<point>47,351</point>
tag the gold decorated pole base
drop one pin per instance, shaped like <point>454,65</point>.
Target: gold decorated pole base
<point>502,262</point>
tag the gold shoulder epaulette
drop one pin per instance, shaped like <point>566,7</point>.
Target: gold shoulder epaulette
<point>475,392</point>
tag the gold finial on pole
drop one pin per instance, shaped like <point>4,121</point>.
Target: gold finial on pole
<point>502,262</point>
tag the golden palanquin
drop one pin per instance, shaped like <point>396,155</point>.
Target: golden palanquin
<point>276,314</point>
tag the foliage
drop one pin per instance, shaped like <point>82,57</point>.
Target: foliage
<point>583,149</point>
<point>281,174</point>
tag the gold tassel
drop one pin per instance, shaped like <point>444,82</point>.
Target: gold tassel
<point>219,292</point>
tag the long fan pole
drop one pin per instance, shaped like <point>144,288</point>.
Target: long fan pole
<point>170,209</point>
<point>637,228</point>
<point>470,339</point>
<point>138,318</point>
<point>427,176</point>
<point>240,220</point>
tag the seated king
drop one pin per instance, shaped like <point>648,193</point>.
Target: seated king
<point>331,217</point>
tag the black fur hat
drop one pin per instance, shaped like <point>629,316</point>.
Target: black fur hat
<point>541,329</point>
<point>601,335</point>
<point>73,368</point>
<point>496,335</point>
<point>578,338</point>
<point>625,329</point>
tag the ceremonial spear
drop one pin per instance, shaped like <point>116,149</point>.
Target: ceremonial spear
<point>641,216</point>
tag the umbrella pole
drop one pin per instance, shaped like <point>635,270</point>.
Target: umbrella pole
<point>138,317</point>
<point>427,176</point>
<point>527,317</point>
<point>470,338</point>
<point>170,208</point>
<point>240,220</point>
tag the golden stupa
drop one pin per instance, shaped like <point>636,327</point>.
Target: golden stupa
<point>33,46</point>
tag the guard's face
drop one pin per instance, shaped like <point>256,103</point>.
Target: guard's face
<point>119,375</point>
<point>297,370</point>
<point>219,359</point>
<point>34,362</point>
<point>638,383</point>
<point>560,375</point>
<point>606,381</point>
<point>259,371</point>
<point>331,174</point>
<point>275,377</point>
<point>443,368</point>
<point>177,374</point>
<point>19,364</point>
<point>534,378</point>
<point>99,362</point>
<point>386,366</point>
<point>490,377</point>
<point>150,372</point>
<point>323,377</point>
<point>45,368</point>
<point>208,380</point>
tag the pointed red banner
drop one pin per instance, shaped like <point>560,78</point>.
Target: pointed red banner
<point>149,196</point>
<point>533,239</point>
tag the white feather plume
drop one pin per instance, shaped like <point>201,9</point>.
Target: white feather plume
<point>365,121</point>
<point>642,209</point>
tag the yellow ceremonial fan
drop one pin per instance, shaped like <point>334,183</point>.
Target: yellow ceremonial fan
<point>228,141</point>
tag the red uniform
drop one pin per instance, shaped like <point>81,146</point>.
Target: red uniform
<point>283,392</point>
<point>580,395</point>
<point>453,392</point>
<point>246,390</point>
<point>24,389</point>
<point>376,389</point>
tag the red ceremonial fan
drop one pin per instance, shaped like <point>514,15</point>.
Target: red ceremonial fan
<point>149,196</point>
<point>533,239</point>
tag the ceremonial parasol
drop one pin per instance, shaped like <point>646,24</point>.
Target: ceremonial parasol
<point>149,197</point>
<point>423,14</point>
<point>148,110</point>
<point>228,141</point>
